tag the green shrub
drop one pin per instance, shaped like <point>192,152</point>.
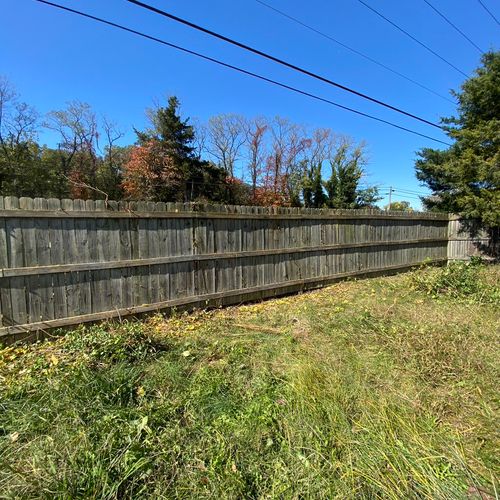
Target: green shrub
<point>114,342</point>
<point>459,280</point>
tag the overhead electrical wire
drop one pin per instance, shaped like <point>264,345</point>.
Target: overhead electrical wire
<point>405,194</point>
<point>354,51</point>
<point>236,68</point>
<point>399,195</point>
<point>489,12</point>
<point>279,61</point>
<point>412,192</point>
<point>404,190</point>
<point>456,28</point>
<point>409,35</point>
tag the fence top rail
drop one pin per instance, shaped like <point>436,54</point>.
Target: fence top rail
<point>12,206</point>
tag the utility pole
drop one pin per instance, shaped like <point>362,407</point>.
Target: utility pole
<point>390,196</point>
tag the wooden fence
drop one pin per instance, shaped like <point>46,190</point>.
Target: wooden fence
<point>466,240</point>
<point>64,262</point>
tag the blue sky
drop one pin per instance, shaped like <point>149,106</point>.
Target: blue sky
<point>53,57</point>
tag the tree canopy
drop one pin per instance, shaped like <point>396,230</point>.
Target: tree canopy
<point>164,166</point>
<point>400,205</point>
<point>229,159</point>
<point>465,178</point>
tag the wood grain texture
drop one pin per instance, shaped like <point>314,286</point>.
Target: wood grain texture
<point>64,260</point>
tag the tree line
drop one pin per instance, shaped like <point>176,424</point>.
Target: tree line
<point>229,159</point>
<point>236,160</point>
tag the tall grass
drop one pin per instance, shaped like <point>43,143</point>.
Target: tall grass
<point>370,389</point>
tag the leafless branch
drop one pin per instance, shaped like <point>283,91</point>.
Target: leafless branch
<point>85,185</point>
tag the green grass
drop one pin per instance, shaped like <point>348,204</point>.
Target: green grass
<point>382,388</point>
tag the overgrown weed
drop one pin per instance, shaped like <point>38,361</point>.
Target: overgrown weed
<point>459,280</point>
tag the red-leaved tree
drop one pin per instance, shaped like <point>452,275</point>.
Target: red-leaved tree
<point>151,174</point>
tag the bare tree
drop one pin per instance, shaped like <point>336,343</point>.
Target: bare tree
<point>8,97</point>
<point>110,171</point>
<point>78,141</point>
<point>322,142</point>
<point>289,145</point>
<point>200,138</point>
<point>111,135</point>
<point>255,141</point>
<point>226,135</point>
<point>18,120</point>
<point>18,131</point>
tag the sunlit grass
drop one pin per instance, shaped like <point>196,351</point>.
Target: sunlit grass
<point>367,389</point>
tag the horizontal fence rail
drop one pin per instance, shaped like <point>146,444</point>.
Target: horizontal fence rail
<point>64,262</point>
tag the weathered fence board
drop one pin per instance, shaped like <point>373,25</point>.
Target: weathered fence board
<point>64,262</point>
<point>466,240</point>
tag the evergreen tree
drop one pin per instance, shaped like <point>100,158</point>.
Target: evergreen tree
<point>465,178</point>
<point>165,167</point>
<point>342,185</point>
<point>312,190</point>
<point>343,188</point>
<point>175,136</point>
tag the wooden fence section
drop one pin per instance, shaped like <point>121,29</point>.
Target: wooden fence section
<point>64,262</point>
<point>466,240</point>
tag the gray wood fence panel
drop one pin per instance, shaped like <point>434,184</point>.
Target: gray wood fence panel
<point>465,240</point>
<point>67,261</point>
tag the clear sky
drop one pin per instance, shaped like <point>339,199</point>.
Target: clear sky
<point>53,57</point>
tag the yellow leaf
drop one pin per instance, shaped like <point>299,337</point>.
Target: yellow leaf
<point>53,360</point>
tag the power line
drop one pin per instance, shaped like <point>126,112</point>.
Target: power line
<point>413,38</point>
<point>240,70</point>
<point>393,193</point>
<point>399,193</point>
<point>405,190</point>
<point>404,194</point>
<point>489,12</point>
<point>357,52</point>
<point>279,61</point>
<point>412,192</point>
<point>453,26</point>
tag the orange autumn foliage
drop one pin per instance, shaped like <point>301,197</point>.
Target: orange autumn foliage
<point>150,173</point>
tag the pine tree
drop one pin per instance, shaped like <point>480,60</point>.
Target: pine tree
<point>164,165</point>
<point>465,178</point>
<point>174,135</point>
<point>312,190</point>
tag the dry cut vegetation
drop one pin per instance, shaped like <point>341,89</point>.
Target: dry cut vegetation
<point>383,388</point>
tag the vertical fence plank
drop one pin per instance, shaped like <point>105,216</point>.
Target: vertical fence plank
<point>5,301</point>
<point>18,292</point>
<point>56,241</point>
<point>34,296</point>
